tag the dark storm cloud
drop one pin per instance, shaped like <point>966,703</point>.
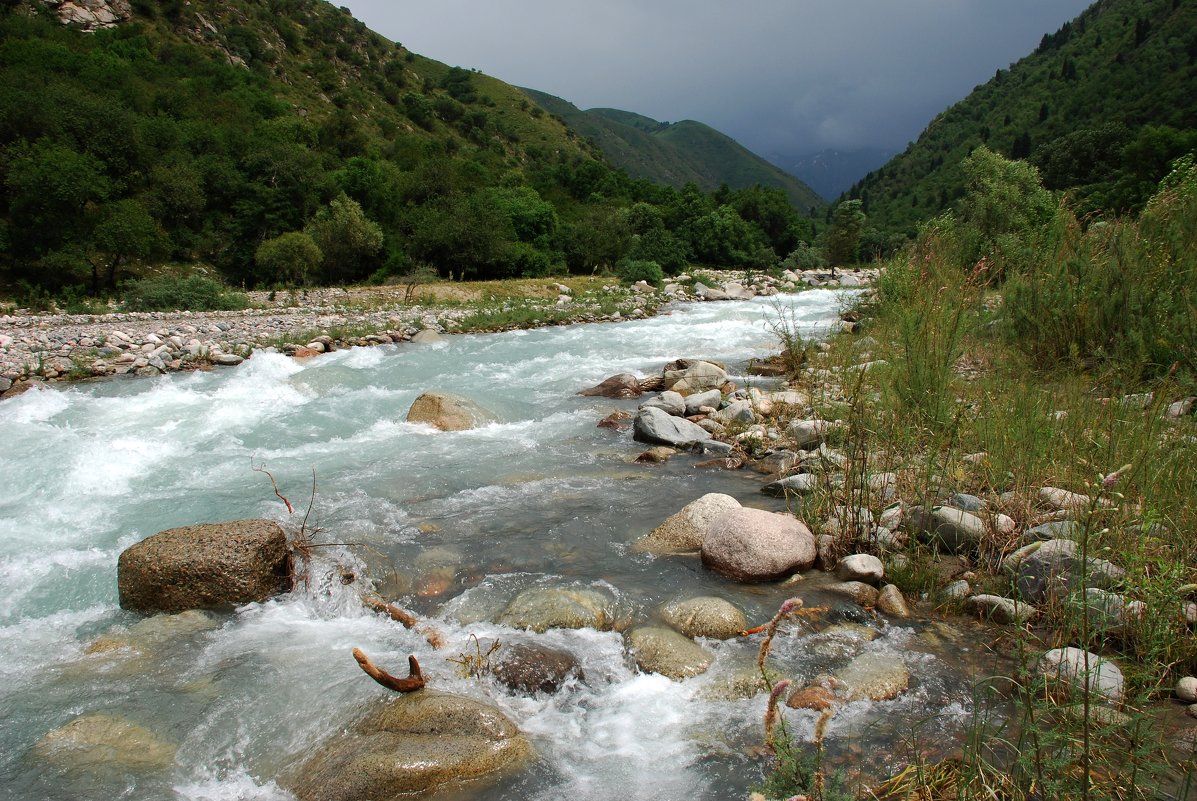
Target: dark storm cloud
<point>780,76</point>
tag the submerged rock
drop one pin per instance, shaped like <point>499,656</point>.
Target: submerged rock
<point>875,677</point>
<point>99,740</point>
<point>415,743</point>
<point>685,530</point>
<point>447,412</point>
<point>657,649</point>
<point>542,608</point>
<point>755,545</point>
<point>208,566</point>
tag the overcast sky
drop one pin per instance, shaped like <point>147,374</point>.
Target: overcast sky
<point>781,76</point>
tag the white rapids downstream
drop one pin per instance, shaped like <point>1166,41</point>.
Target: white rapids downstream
<point>542,497</point>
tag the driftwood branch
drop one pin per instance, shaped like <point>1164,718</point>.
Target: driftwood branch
<point>413,682</point>
<point>390,610</point>
<point>372,601</point>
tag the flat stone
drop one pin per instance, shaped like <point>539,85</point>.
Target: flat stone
<point>658,427</point>
<point>955,529</point>
<point>858,591</point>
<point>799,484</point>
<point>1001,610</point>
<point>669,402</point>
<point>874,677</point>
<point>226,359</point>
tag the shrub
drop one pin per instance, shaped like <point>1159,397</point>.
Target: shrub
<point>631,270</point>
<point>1120,294</point>
<point>804,257</point>
<point>170,293</point>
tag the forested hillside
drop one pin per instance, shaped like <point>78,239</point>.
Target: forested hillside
<point>281,142</point>
<point>676,153</point>
<point>1102,107</point>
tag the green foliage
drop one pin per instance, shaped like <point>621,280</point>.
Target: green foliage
<point>1120,293</point>
<point>804,257</point>
<point>842,240</point>
<point>1120,109</point>
<point>1004,211</point>
<point>194,293</point>
<point>138,144</point>
<point>630,271</point>
<point>348,239</point>
<point>293,257</point>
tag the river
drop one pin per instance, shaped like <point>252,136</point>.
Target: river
<point>542,497</point>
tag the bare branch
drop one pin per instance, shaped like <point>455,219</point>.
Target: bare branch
<point>413,682</point>
<point>262,469</point>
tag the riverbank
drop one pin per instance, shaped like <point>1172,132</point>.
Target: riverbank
<point>61,347</point>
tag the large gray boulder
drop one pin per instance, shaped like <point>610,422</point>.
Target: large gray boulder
<point>657,649</point>
<point>755,545</point>
<point>448,412</point>
<point>415,743</point>
<point>208,566</point>
<point>661,428</point>
<point>685,530</point>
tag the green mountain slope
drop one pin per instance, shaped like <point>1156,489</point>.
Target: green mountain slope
<point>675,154</point>
<point>1101,107</point>
<point>281,142</point>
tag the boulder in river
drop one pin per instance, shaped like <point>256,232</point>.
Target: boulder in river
<point>658,427</point>
<point>534,668</point>
<point>705,616</point>
<point>685,530</point>
<point>208,566</point>
<point>657,649</point>
<point>621,385</point>
<point>755,545</point>
<point>447,412</point>
<point>415,743</point>
<point>874,676</point>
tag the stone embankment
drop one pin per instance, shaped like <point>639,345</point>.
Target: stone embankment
<point>66,347</point>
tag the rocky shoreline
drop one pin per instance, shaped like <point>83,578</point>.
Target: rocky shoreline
<point>37,348</point>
